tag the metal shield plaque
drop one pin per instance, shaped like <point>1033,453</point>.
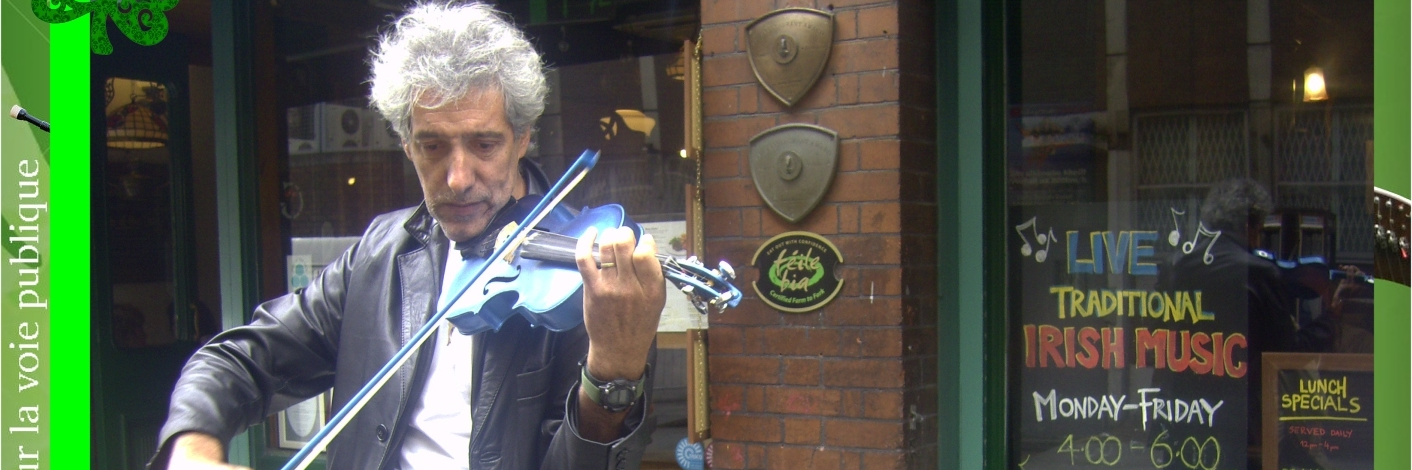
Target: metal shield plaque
<point>798,271</point>
<point>788,49</point>
<point>793,165</point>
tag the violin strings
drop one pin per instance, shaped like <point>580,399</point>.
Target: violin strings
<point>561,244</point>
<point>549,246</point>
<point>557,247</point>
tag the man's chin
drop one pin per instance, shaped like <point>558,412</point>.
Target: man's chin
<point>461,230</point>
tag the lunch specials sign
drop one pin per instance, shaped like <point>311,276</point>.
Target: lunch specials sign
<point>1318,411</point>
<point>1117,367</point>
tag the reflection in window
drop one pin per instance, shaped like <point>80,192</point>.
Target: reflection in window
<point>346,166</point>
<point>138,198</point>
<point>1188,196</point>
<point>629,109</point>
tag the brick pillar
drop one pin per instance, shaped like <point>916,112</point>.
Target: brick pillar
<point>852,385</point>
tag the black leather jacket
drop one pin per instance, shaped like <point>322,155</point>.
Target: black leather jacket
<point>351,319</point>
<point>1246,294</point>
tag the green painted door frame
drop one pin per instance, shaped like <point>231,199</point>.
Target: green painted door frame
<point>971,214</point>
<point>237,177</point>
<point>237,194</point>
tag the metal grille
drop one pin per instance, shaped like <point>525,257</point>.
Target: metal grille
<point>1323,145</point>
<point>1190,148</point>
<point>1178,155</point>
<point>1322,156</point>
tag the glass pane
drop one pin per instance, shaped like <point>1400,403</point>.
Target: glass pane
<point>344,170</point>
<point>139,209</point>
<point>1188,202</point>
<point>631,110</point>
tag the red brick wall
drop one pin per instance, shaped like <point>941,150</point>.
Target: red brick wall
<point>852,385</point>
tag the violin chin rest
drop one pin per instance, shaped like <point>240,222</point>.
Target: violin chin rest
<point>504,236</point>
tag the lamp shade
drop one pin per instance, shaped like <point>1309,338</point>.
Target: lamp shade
<point>677,69</point>
<point>141,124</point>
<point>1314,86</point>
<point>638,121</point>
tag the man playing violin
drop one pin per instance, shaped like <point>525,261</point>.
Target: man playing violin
<point>463,88</point>
<point>1244,293</point>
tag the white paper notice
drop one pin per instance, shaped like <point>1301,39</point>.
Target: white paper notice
<point>678,315</point>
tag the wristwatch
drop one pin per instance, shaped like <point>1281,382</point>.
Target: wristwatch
<point>614,396</point>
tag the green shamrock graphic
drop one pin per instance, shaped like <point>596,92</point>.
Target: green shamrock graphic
<point>142,21</point>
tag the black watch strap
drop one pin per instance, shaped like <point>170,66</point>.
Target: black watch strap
<point>616,395</point>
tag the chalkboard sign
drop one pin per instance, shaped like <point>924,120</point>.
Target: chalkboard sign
<point>1121,359</point>
<point>1318,411</point>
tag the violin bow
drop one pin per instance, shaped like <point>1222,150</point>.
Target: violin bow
<point>319,442</point>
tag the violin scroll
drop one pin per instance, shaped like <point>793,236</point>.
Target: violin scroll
<point>710,290</point>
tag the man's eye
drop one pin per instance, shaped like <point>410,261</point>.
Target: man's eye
<point>430,147</point>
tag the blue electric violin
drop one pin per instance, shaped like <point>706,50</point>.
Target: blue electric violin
<point>531,270</point>
<point>540,279</point>
<point>1305,275</point>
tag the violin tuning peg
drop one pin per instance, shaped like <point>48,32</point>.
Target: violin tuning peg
<point>688,289</point>
<point>727,270</point>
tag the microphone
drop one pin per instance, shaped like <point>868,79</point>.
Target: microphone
<point>19,113</point>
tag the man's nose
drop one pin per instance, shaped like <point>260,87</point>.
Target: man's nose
<point>460,176</point>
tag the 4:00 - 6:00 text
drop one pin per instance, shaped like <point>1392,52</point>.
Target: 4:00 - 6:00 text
<point>1108,450</point>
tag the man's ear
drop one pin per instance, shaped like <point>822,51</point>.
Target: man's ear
<point>522,144</point>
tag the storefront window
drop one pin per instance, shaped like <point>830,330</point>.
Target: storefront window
<point>1191,234</point>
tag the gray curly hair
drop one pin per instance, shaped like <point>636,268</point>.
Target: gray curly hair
<point>438,53</point>
<point>1232,204</point>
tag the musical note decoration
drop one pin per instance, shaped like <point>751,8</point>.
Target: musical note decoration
<point>1190,246</point>
<point>1175,236</point>
<point>1045,240</point>
<point>142,21</point>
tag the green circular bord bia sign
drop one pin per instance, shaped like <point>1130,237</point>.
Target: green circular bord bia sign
<point>798,271</point>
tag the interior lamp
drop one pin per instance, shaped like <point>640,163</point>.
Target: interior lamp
<point>141,124</point>
<point>1314,89</point>
<point>637,120</point>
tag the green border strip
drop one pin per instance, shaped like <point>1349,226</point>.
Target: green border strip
<point>69,190</point>
<point>1391,80</point>
<point>959,348</point>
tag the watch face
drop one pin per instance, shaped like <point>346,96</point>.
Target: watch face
<point>618,394</point>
